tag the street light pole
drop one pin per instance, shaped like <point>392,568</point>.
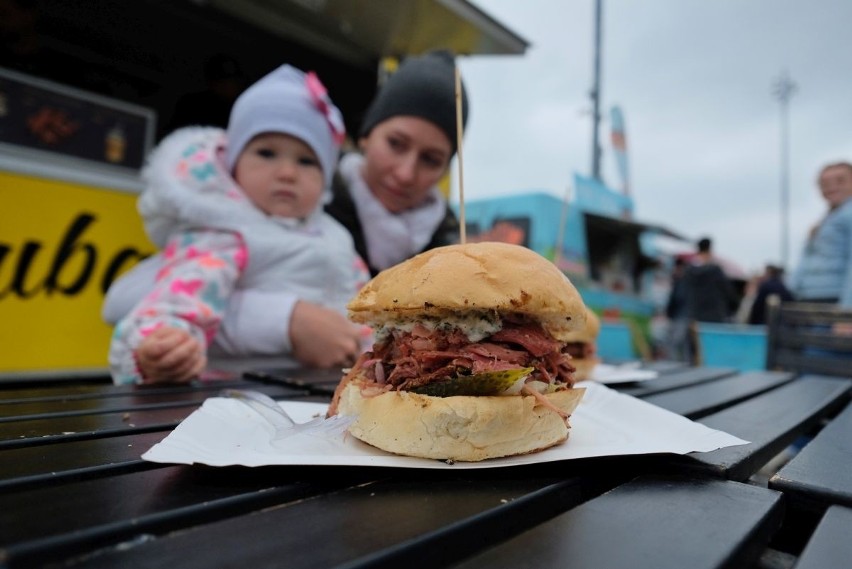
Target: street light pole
<point>783,88</point>
<point>595,94</point>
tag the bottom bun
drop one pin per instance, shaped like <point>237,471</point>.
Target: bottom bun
<point>583,367</point>
<point>463,428</point>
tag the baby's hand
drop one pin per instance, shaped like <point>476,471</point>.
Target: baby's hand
<point>170,355</point>
<point>322,337</point>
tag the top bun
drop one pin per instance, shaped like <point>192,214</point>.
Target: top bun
<point>589,333</point>
<point>451,280</point>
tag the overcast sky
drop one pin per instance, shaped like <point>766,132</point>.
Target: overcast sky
<point>694,81</point>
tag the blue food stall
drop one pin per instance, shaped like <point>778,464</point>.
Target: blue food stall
<point>613,259</point>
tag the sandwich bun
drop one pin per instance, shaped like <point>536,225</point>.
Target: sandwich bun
<point>589,332</point>
<point>585,361</point>
<point>452,280</point>
<point>460,428</point>
<point>584,367</point>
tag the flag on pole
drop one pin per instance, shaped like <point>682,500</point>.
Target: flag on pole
<point>619,146</point>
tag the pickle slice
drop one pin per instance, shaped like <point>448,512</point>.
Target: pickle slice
<point>486,383</point>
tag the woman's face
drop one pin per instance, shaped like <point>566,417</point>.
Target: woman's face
<point>404,157</point>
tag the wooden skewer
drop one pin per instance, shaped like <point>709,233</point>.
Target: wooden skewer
<point>560,234</point>
<point>459,126</point>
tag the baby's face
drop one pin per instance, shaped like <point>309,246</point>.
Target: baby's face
<point>280,174</point>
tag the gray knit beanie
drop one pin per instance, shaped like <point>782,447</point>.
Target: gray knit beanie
<point>291,102</point>
<point>424,87</point>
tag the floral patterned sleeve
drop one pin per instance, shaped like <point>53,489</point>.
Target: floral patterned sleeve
<point>191,293</point>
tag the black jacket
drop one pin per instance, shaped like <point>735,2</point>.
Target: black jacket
<point>767,288</point>
<point>711,296</point>
<point>342,208</point>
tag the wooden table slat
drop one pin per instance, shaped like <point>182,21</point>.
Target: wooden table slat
<point>821,474</point>
<point>678,379</point>
<point>25,410</point>
<point>830,545</point>
<point>711,397</point>
<point>320,381</point>
<point>70,392</point>
<point>665,366</point>
<point>67,428</point>
<point>650,522</point>
<point>56,464</point>
<point>771,422</point>
<point>81,516</point>
<point>413,522</point>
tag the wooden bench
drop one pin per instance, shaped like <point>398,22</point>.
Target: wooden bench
<point>802,337</point>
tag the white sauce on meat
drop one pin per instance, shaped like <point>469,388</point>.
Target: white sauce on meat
<point>476,325</point>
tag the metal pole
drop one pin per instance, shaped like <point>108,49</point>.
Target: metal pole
<point>595,94</point>
<point>783,89</point>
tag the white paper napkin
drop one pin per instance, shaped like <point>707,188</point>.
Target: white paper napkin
<point>224,432</point>
<point>624,373</point>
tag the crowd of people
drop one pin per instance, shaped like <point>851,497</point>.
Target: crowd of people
<point>701,292</point>
<point>264,232</point>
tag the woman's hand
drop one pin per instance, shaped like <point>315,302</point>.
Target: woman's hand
<point>170,355</point>
<point>322,337</point>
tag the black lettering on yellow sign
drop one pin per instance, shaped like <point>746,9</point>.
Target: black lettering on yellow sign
<point>24,284</point>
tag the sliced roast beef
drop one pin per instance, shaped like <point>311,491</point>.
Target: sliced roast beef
<point>418,357</point>
<point>495,351</point>
<point>530,336</point>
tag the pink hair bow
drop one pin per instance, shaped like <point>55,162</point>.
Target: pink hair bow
<point>320,97</point>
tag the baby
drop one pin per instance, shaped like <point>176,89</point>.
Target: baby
<point>241,209</point>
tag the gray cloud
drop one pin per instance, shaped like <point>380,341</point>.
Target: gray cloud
<point>694,81</point>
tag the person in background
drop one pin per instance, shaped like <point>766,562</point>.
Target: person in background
<point>387,195</point>
<point>710,296</point>
<point>242,210</point>
<point>678,338</point>
<point>770,284</point>
<point>824,273</point>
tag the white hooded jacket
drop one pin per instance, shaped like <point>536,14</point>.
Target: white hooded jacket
<point>215,242</point>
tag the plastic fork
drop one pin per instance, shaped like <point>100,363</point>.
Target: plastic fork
<point>285,426</point>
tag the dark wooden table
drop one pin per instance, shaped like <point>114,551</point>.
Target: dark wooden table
<point>74,492</point>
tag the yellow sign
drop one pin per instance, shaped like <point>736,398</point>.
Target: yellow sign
<point>61,245</point>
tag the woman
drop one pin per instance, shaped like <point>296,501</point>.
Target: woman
<point>386,196</point>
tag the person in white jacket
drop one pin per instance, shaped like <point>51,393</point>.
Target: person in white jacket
<point>238,210</point>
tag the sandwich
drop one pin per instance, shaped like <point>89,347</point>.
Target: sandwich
<point>470,358</point>
<point>582,345</point>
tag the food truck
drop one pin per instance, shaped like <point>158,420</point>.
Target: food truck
<point>88,88</point>
<point>69,163</point>
<point>615,261</point>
